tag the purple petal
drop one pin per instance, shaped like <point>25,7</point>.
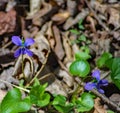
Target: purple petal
<point>103,82</point>
<point>29,41</point>
<point>101,91</point>
<point>96,74</point>
<point>16,40</point>
<point>89,86</point>
<point>28,52</point>
<point>18,52</point>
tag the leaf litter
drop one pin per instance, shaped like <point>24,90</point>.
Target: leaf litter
<point>49,23</point>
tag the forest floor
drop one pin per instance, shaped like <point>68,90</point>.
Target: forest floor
<point>60,29</point>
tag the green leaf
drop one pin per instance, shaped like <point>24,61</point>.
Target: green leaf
<point>114,65</point>
<point>38,95</point>
<point>13,103</point>
<point>82,38</point>
<point>59,100</point>
<point>74,31</point>
<point>36,82</point>
<point>85,102</point>
<point>102,60</point>
<point>80,68</point>
<point>109,111</point>
<point>61,105</point>
<point>82,55</point>
<point>80,26</point>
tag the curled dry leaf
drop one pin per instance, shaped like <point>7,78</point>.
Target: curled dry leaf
<point>28,68</point>
<point>61,17</point>
<point>58,47</point>
<point>7,22</point>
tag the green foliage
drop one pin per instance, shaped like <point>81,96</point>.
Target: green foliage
<point>84,103</point>
<point>80,36</point>
<point>102,60</point>
<point>114,65</point>
<point>109,111</point>
<point>61,105</point>
<point>79,68</point>
<point>80,24</point>
<point>74,31</point>
<point>38,95</point>
<point>83,54</point>
<point>13,103</point>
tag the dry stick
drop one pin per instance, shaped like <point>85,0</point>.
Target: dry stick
<point>95,15</point>
<point>15,86</point>
<point>79,81</point>
<point>6,45</point>
<point>43,65</point>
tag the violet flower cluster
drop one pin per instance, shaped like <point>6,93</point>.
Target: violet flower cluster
<point>23,44</point>
<point>97,84</point>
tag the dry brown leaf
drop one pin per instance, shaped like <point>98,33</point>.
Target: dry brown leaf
<point>98,108</point>
<point>34,6</point>
<point>72,7</point>
<point>7,22</point>
<point>67,48</point>
<point>92,24</point>
<point>2,94</point>
<point>7,76</point>
<point>41,44</point>
<point>66,78</point>
<point>61,17</point>
<point>115,98</point>
<point>98,7</point>
<point>58,47</point>
<point>57,88</point>
<point>114,18</point>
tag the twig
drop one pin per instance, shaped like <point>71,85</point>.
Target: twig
<point>15,86</point>
<point>95,15</point>
<point>43,65</point>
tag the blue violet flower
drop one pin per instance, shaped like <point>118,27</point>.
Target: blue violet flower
<point>97,84</point>
<point>23,44</point>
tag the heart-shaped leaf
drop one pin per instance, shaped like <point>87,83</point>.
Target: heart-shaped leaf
<point>13,103</point>
<point>85,102</point>
<point>80,68</point>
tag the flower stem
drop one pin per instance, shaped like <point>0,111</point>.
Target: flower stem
<point>23,67</point>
